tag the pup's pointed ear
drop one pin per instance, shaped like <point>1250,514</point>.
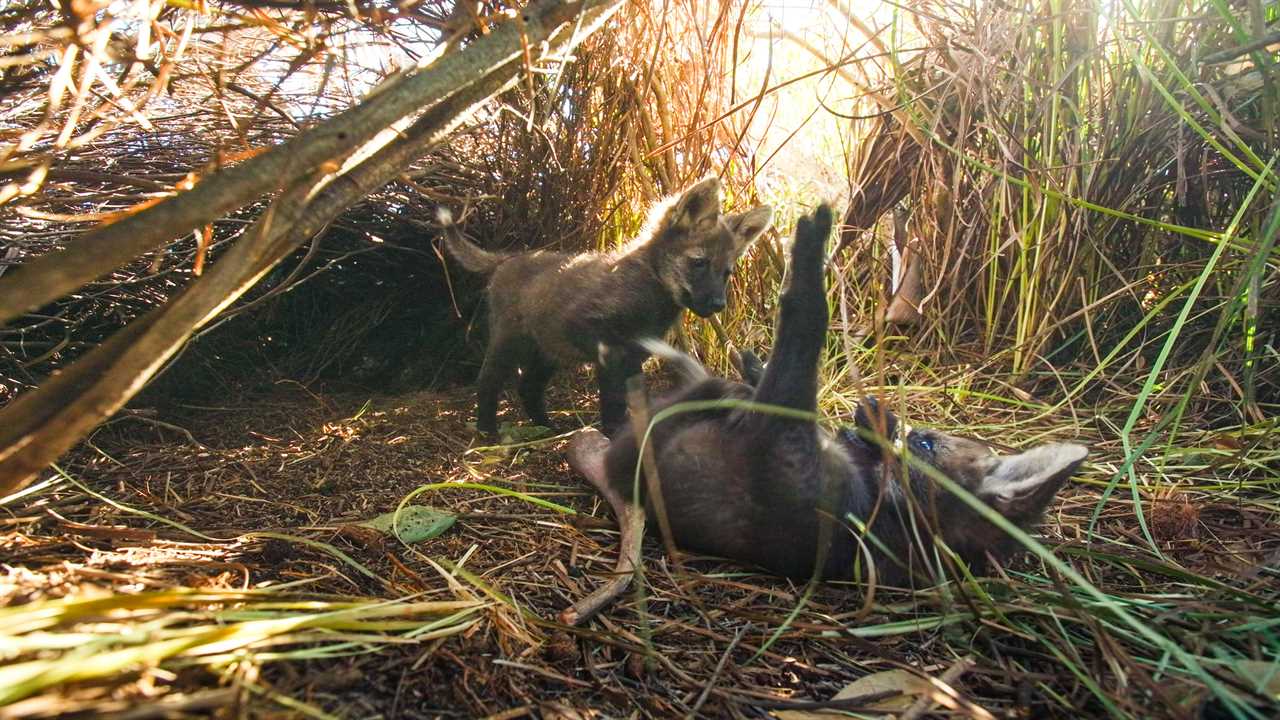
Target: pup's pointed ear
<point>697,208</point>
<point>747,226</point>
<point>876,419</point>
<point>1021,486</point>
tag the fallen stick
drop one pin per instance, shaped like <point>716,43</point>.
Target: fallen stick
<point>586,456</point>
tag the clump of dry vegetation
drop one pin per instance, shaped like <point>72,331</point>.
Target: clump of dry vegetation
<point>1061,221</point>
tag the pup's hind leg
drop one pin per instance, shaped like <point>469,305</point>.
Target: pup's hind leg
<point>587,451</point>
<point>535,372</point>
<point>499,363</point>
<point>791,377</point>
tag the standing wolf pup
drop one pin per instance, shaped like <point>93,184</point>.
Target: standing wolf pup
<point>549,309</point>
<point>780,492</point>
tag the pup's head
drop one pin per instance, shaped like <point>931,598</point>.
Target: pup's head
<point>695,246</point>
<point>1018,486</point>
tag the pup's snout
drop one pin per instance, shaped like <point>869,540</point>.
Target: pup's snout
<point>706,306</point>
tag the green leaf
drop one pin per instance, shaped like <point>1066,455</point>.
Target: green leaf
<point>414,524</point>
<point>511,433</point>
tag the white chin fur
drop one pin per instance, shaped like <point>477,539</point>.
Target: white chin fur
<point>899,438</point>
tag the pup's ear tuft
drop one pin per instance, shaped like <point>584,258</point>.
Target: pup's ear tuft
<point>697,208</point>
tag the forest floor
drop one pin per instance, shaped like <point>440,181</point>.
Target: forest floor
<point>258,495</point>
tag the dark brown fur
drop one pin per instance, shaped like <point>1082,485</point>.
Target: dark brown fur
<point>549,309</point>
<point>765,489</point>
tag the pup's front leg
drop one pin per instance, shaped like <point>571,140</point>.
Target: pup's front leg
<point>791,377</point>
<point>616,366</point>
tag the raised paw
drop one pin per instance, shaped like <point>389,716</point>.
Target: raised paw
<point>822,222</point>
<point>811,238</point>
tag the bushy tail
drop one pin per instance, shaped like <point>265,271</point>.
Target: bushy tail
<point>473,258</point>
<point>690,370</point>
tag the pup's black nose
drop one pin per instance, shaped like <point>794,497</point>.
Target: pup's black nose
<point>715,305</point>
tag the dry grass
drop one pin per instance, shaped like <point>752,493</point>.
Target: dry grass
<point>311,466</point>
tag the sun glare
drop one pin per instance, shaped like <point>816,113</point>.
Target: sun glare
<point>814,60</point>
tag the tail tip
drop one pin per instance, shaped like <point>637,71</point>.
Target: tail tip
<point>444,216</point>
<point>692,370</point>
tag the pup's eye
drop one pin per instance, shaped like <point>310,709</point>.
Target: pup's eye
<point>923,443</point>
<point>699,263</point>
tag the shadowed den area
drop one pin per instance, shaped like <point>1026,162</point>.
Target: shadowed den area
<point>620,359</point>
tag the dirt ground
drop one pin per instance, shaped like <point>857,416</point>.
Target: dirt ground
<point>308,465</point>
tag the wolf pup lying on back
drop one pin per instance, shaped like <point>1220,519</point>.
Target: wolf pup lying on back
<point>549,309</point>
<point>769,489</point>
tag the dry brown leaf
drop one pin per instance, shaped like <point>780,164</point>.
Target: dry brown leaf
<point>910,685</point>
<point>1263,676</point>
